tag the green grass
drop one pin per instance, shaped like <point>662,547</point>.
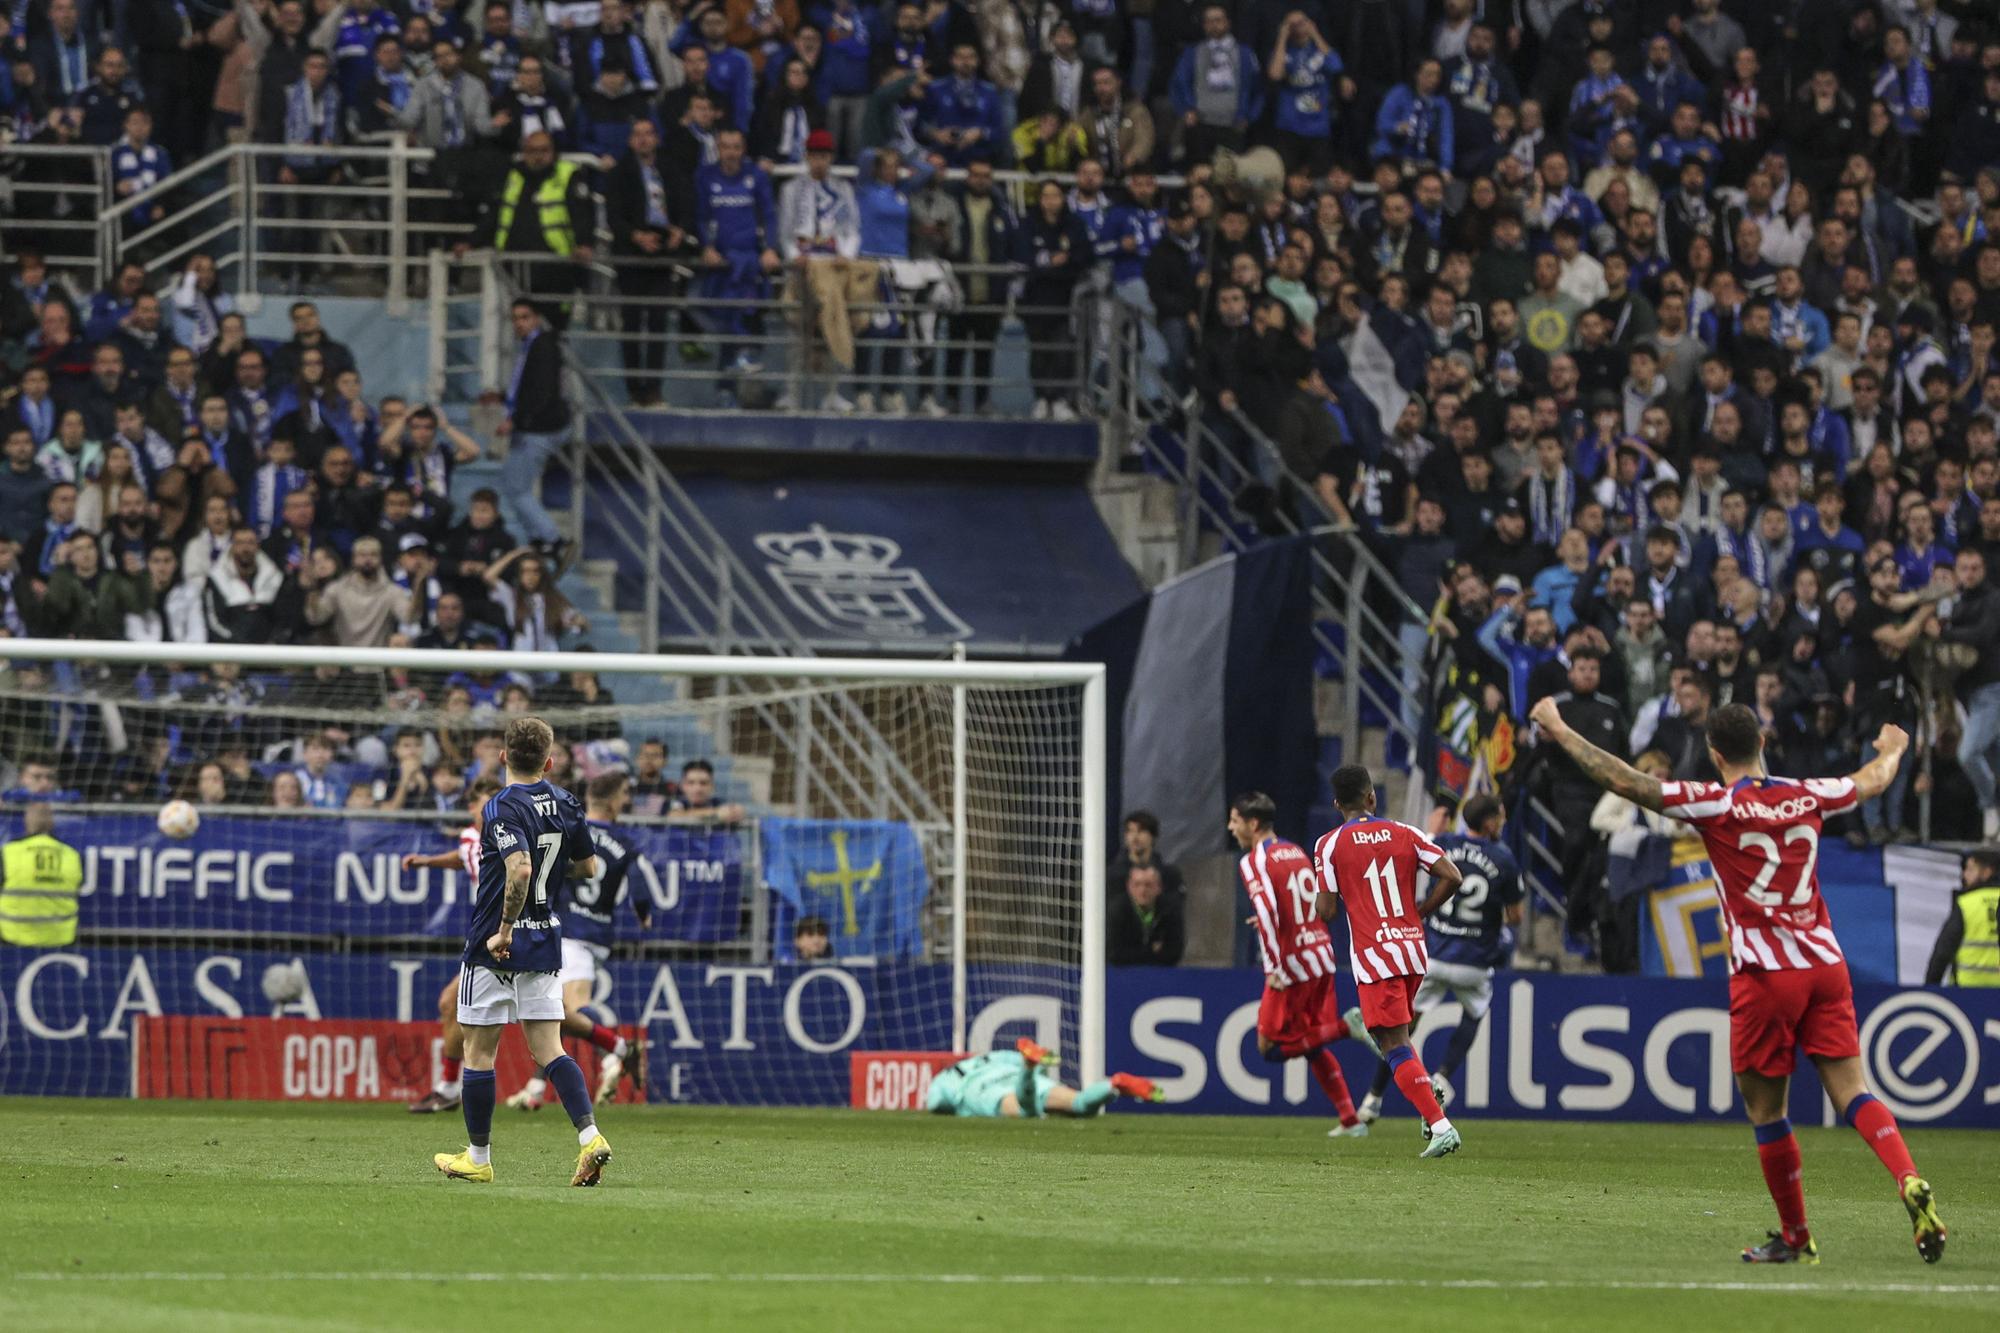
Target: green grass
<point>322,1217</point>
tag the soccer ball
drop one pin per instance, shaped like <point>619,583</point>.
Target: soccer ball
<point>178,819</point>
<point>284,982</point>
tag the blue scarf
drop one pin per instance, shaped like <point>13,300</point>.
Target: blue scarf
<point>307,123</point>
<point>640,64</point>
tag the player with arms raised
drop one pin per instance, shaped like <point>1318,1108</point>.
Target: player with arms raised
<point>533,833</point>
<point>1298,1018</point>
<point>1788,983</point>
<point>1368,867</point>
<point>590,911</point>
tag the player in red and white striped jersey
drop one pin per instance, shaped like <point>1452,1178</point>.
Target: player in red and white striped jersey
<point>1788,983</point>
<point>444,1094</point>
<point>1299,1017</point>
<point>1370,867</point>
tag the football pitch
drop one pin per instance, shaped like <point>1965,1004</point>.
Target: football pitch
<point>123,1215</point>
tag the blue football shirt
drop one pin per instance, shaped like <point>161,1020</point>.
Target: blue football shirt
<point>590,906</point>
<point>1471,928</point>
<point>547,823</point>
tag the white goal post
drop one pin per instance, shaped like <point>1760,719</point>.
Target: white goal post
<point>986,759</point>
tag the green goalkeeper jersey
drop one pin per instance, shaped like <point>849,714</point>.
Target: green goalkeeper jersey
<point>980,1084</point>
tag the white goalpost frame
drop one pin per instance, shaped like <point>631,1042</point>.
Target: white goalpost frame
<point>959,674</point>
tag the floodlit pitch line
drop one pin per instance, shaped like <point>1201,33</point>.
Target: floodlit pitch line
<point>1057,1279</point>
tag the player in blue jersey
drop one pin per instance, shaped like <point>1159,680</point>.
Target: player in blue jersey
<point>534,833</point>
<point>1470,936</point>
<point>1014,1084</point>
<point>589,909</point>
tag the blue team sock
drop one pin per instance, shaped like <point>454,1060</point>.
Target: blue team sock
<point>1776,1131</point>
<point>1093,1096</point>
<point>476,1100</point>
<point>564,1076</point>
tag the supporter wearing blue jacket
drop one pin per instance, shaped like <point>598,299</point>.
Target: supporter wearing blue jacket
<point>849,30</point>
<point>1663,83</point>
<point>882,193</point>
<point>730,75</point>
<point>1217,88</point>
<point>354,46</point>
<point>1414,126</point>
<point>1683,141</point>
<point>737,222</point>
<point>961,114</point>
<point>1304,69</point>
<point>1798,326</point>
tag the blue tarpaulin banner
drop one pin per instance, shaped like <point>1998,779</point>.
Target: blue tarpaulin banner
<point>301,876</point>
<point>1209,685</point>
<point>865,877</point>
<point>901,564</point>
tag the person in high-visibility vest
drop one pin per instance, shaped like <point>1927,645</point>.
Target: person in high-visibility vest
<point>1969,944</point>
<point>544,207</point>
<point>42,876</point>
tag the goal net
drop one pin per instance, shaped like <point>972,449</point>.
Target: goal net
<point>833,859</point>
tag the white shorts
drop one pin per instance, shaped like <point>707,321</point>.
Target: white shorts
<point>1471,986</point>
<point>580,961</point>
<point>487,998</point>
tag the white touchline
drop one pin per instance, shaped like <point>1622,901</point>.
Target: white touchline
<point>1049,1279</point>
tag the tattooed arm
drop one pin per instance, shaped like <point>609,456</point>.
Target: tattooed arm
<point>1873,778</point>
<point>520,869</point>
<point>1606,770</point>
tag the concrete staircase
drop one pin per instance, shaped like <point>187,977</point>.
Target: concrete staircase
<point>1140,511</point>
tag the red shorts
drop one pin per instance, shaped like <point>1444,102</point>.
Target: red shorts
<point>1290,1015</point>
<point>1773,1014</point>
<point>1387,1004</point>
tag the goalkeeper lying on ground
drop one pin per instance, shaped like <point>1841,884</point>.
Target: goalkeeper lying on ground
<point>1012,1083</point>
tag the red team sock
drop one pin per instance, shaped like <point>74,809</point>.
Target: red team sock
<point>603,1038</point>
<point>1326,1071</point>
<point>1778,1153</point>
<point>1415,1083</point>
<point>451,1069</point>
<point>1878,1130</point>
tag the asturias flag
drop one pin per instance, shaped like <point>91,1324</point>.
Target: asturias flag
<point>865,877</point>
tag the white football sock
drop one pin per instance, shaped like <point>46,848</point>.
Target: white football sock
<point>480,1155</point>
<point>586,1134</point>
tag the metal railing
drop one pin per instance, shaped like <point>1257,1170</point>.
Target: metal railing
<point>1351,587</point>
<point>633,504</point>
<point>53,197</point>
<point>375,218</point>
<point>910,353</point>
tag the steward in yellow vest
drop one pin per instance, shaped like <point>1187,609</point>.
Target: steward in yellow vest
<point>38,894</point>
<point>1969,944</point>
<point>545,207</point>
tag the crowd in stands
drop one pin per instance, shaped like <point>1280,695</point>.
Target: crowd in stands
<point>1653,341</point>
<point>228,490</point>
